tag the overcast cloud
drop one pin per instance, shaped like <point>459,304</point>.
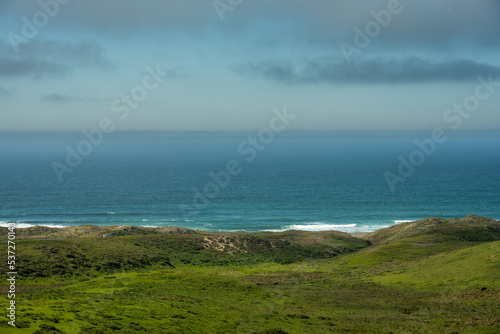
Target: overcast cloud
<point>228,74</point>
<point>393,71</point>
<point>42,58</point>
<point>54,97</point>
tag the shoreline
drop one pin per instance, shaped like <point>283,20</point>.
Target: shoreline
<point>42,231</point>
<point>349,227</point>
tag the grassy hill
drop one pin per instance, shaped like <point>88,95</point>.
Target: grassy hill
<point>470,228</point>
<point>476,267</point>
<point>44,252</point>
<point>420,277</point>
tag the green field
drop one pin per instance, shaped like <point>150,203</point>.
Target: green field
<point>433,276</point>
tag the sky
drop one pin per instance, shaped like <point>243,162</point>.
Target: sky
<point>228,65</point>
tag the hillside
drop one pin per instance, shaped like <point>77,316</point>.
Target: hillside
<point>470,228</point>
<point>476,267</point>
<point>90,250</point>
<point>428,276</point>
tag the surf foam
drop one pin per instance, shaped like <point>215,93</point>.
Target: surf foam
<point>25,225</point>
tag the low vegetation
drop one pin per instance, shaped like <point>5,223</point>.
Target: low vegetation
<point>420,277</point>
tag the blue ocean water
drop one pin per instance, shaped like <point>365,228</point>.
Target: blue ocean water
<point>295,182</point>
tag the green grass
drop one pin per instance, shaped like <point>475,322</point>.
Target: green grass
<point>473,267</point>
<point>308,297</point>
<point>276,283</point>
<point>88,256</point>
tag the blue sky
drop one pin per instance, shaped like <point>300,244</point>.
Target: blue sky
<point>229,74</point>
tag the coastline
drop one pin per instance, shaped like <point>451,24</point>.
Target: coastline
<point>47,232</point>
<point>42,232</point>
<point>350,228</point>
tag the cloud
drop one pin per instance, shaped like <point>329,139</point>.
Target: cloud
<point>367,71</point>
<point>444,27</point>
<point>47,58</point>
<point>10,67</point>
<point>87,53</point>
<point>55,97</point>
<point>3,92</point>
<point>426,22</point>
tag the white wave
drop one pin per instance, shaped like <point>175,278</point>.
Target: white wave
<point>320,227</point>
<point>111,213</point>
<point>403,221</point>
<point>25,225</point>
<point>145,220</point>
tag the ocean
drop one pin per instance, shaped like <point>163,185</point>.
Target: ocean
<point>311,182</point>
